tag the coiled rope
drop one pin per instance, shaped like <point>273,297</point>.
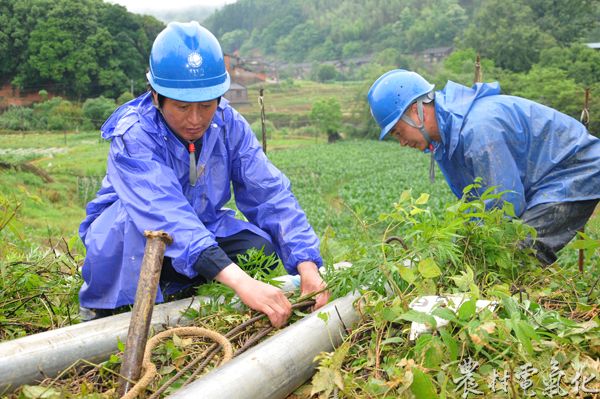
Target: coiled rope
<point>150,368</point>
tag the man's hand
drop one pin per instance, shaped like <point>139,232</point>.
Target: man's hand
<point>257,295</point>
<point>311,281</point>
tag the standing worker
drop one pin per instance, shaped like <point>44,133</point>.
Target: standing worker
<point>175,152</point>
<point>547,161</point>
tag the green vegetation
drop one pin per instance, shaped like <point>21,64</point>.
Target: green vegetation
<point>364,198</point>
<point>521,42</point>
<point>288,107</point>
<point>512,32</point>
<point>59,114</point>
<point>103,52</point>
<point>517,40</point>
<point>327,116</point>
<point>540,323</point>
<point>358,195</point>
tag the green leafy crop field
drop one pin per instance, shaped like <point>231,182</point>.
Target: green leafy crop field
<point>356,195</point>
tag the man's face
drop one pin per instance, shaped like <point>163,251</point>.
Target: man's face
<point>411,136</point>
<point>408,136</point>
<point>188,120</point>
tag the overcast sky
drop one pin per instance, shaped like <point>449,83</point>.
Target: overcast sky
<point>141,5</point>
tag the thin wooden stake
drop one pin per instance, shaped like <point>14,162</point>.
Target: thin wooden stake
<point>478,75</point>
<point>585,120</point>
<point>262,119</point>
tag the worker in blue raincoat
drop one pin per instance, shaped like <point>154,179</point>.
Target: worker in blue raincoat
<point>175,153</point>
<point>548,161</point>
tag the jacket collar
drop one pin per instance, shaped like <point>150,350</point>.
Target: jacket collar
<point>452,105</point>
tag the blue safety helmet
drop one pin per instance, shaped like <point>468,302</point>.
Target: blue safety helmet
<point>392,94</point>
<point>186,64</point>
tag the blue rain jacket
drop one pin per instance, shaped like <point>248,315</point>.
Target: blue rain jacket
<point>147,188</point>
<point>536,152</point>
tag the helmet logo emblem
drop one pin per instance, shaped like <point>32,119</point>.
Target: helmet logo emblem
<point>194,60</point>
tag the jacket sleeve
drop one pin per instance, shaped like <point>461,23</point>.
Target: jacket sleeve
<point>153,197</point>
<point>489,157</point>
<point>263,194</point>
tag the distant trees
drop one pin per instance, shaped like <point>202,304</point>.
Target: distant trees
<point>566,21</point>
<point>302,39</point>
<point>435,25</point>
<point>549,86</point>
<point>581,63</point>
<point>504,32</point>
<point>460,67</point>
<point>231,41</point>
<point>76,48</point>
<point>316,30</point>
<point>514,32</point>
<point>88,48</point>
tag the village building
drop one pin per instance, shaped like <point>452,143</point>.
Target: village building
<point>237,94</point>
<point>435,55</point>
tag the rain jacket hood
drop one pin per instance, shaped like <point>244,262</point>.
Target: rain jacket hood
<point>537,153</point>
<point>147,188</point>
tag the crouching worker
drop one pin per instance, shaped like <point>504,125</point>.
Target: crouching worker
<point>546,160</point>
<point>175,153</point>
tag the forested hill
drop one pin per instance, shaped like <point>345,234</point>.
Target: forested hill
<point>511,32</point>
<point>78,48</point>
<point>85,48</point>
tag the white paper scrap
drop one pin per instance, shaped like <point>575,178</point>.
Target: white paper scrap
<point>428,303</point>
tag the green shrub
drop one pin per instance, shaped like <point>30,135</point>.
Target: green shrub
<point>16,118</point>
<point>324,73</point>
<point>306,131</point>
<point>125,97</point>
<point>257,128</point>
<point>96,110</point>
<point>56,114</point>
<point>326,115</point>
<point>43,110</point>
<point>65,116</point>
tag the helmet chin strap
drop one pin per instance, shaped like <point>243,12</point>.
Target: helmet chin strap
<point>420,126</point>
<point>425,133</point>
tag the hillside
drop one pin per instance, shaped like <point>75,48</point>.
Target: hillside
<point>89,48</point>
<point>512,32</point>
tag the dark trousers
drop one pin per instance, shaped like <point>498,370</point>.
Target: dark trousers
<point>556,224</point>
<point>237,244</point>
<point>233,246</point>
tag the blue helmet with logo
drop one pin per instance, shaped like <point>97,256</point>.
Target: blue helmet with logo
<point>187,64</point>
<point>391,95</point>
